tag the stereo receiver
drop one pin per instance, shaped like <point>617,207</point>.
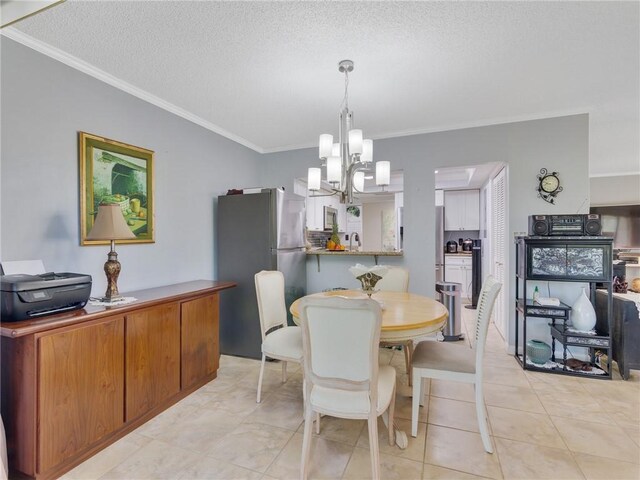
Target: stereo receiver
<point>554,225</point>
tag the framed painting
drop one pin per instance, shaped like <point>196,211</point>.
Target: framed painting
<point>114,172</point>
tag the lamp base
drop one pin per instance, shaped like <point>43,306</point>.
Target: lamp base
<point>112,270</point>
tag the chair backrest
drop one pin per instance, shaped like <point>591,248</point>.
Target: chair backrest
<point>395,280</point>
<point>340,340</point>
<point>271,306</point>
<point>486,301</point>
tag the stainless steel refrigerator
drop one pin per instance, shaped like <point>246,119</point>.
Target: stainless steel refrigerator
<point>257,231</point>
<point>439,244</point>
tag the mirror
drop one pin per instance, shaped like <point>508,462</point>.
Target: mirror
<point>375,215</point>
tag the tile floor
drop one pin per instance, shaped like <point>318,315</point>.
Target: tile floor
<point>544,426</point>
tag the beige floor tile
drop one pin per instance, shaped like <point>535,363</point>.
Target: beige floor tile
<point>454,390</point>
<point>292,387</point>
<point>156,460</point>
<point>236,400</point>
<point>548,382</point>
<point>271,381</point>
<point>574,405</point>
<point>453,413</point>
<point>634,434</point>
<point>500,360</point>
<point>598,468</point>
<point>597,439</point>
<point>199,431</point>
<point>403,409</point>
<point>526,461</point>
<point>431,472</point>
<point>279,411</point>
<point>214,469</point>
<point>517,398</point>
<point>342,430</point>
<point>251,445</point>
<point>391,467</point>
<point>525,426</point>
<point>460,450</point>
<point>506,376</point>
<point>167,420</point>
<point>327,459</point>
<point>108,458</point>
<point>415,449</point>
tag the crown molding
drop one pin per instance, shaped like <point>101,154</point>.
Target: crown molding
<point>452,127</point>
<point>95,72</point>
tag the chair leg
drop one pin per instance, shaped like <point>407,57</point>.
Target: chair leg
<point>373,446</point>
<point>415,404</point>
<point>408,353</point>
<point>306,442</point>
<point>481,413</point>
<point>423,394</point>
<point>317,424</point>
<point>391,409</point>
<point>284,372</point>
<point>260,378</point>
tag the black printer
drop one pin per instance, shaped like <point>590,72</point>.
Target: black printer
<point>32,296</point>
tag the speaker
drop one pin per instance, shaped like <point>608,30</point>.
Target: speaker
<point>592,224</point>
<point>538,225</point>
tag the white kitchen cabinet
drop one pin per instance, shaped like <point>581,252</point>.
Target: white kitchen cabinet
<point>457,268</point>
<point>315,213</point>
<point>462,210</point>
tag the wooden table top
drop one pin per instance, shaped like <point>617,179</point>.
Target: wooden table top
<point>400,311</point>
<point>145,298</point>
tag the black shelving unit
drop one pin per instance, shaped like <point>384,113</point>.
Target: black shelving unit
<point>563,259</point>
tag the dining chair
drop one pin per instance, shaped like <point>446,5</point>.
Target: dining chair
<point>340,340</point>
<point>445,361</point>
<point>397,280</point>
<point>279,341</point>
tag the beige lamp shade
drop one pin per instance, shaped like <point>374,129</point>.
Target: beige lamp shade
<point>110,224</point>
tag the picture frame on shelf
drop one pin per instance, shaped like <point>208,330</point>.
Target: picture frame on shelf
<point>116,172</point>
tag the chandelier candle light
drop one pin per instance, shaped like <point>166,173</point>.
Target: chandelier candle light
<point>349,159</point>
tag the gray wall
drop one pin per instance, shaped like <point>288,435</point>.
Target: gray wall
<point>559,144</point>
<point>44,105</point>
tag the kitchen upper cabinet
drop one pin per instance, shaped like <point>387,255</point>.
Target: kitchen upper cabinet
<point>315,211</point>
<point>462,210</point>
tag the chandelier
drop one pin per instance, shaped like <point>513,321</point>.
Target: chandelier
<point>348,160</point>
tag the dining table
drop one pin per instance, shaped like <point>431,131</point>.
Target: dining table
<point>406,317</point>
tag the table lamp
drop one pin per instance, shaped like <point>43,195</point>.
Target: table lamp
<point>111,225</point>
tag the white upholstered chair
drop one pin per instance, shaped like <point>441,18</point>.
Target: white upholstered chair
<point>342,376</point>
<point>397,280</point>
<point>279,341</point>
<point>444,361</point>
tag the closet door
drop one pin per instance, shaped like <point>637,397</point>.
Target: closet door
<point>499,247</point>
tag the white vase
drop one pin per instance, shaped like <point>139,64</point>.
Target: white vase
<point>583,315</point>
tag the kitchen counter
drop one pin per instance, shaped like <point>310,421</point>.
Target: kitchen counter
<point>459,254</point>
<point>353,253</point>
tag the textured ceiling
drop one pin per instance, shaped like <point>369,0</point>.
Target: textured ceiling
<point>267,71</point>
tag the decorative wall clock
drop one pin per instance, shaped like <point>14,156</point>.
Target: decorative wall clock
<point>548,185</point>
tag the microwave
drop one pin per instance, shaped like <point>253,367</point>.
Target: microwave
<point>330,217</point>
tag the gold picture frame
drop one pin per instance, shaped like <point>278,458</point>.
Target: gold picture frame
<point>115,172</point>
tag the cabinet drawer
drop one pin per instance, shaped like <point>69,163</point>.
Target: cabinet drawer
<point>458,261</point>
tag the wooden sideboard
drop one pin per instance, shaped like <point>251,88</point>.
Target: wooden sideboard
<point>76,382</point>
